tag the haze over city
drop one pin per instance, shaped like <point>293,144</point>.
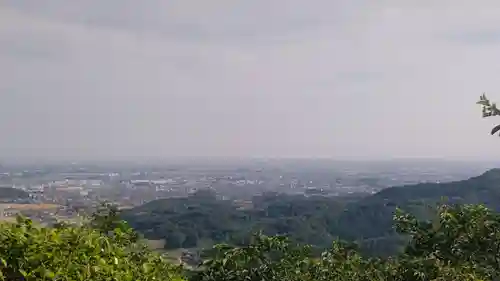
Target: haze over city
<point>124,79</point>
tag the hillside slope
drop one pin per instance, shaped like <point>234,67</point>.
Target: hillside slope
<point>371,217</point>
<point>198,221</point>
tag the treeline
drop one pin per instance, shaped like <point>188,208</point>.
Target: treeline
<point>200,220</point>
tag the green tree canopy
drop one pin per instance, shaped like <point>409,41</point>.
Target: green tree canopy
<point>459,244</point>
<point>70,252</point>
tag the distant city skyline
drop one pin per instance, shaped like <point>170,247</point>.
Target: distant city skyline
<point>152,80</point>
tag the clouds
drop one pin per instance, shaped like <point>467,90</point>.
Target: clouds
<point>225,20</point>
<point>478,37</point>
<point>344,79</point>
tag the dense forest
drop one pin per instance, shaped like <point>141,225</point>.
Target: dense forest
<point>201,220</point>
<point>189,222</point>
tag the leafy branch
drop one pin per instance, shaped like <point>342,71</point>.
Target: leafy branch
<point>489,109</point>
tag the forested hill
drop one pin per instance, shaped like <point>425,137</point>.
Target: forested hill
<point>477,189</point>
<point>9,193</point>
<point>371,216</point>
<point>198,221</point>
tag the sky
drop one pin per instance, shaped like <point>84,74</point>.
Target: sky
<point>352,79</point>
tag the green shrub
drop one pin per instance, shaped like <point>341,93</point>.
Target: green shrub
<point>66,252</point>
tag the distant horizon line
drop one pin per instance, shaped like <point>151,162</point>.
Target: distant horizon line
<point>158,160</point>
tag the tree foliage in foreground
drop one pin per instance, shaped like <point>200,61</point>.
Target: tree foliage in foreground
<point>89,252</point>
<point>459,244</point>
<point>462,242</point>
<point>489,109</point>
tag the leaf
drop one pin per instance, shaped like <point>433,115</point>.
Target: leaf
<point>49,274</point>
<point>495,130</point>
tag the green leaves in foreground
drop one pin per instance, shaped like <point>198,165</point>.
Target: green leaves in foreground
<point>460,244</point>
<point>67,252</point>
<point>489,109</point>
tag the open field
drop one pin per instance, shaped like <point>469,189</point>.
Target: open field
<point>26,207</point>
<point>172,255</point>
<point>8,219</point>
<point>155,244</point>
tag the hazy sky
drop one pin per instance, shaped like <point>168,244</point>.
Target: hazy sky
<point>119,79</point>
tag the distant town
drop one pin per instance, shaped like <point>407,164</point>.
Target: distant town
<point>68,192</point>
